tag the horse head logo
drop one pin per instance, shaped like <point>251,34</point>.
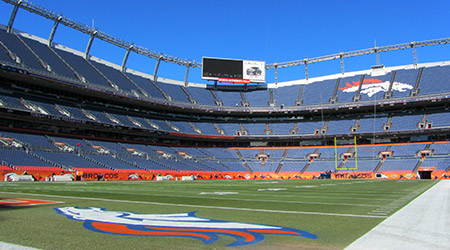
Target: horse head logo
<point>174,225</point>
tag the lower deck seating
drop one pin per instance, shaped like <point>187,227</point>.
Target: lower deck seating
<point>61,152</point>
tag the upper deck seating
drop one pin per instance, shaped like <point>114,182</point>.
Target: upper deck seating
<point>434,80</point>
<point>81,66</point>
<point>45,53</point>
<point>232,99</point>
<point>287,95</point>
<point>348,88</point>
<point>375,87</point>
<point>408,77</point>
<point>146,85</point>
<point>201,95</point>
<point>318,92</point>
<point>174,91</point>
<point>16,47</point>
<point>115,76</point>
<point>258,98</point>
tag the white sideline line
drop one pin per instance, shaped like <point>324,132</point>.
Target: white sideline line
<point>10,246</point>
<point>422,224</point>
<point>202,206</point>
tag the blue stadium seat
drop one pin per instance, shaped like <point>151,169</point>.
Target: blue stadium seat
<point>318,92</point>
<point>287,95</point>
<point>45,53</point>
<point>201,95</point>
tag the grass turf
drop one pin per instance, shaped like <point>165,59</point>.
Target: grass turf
<point>336,211</point>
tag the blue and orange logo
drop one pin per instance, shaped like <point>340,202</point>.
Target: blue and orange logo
<point>174,225</point>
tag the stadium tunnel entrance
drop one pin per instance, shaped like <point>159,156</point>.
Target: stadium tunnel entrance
<point>426,174</point>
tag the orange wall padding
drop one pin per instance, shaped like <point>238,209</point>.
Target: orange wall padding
<point>109,175</point>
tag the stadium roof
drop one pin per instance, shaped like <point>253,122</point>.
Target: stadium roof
<point>292,33</point>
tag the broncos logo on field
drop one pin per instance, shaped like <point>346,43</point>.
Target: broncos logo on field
<point>174,225</point>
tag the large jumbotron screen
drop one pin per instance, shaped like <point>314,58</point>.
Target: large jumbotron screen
<point>233,71</point>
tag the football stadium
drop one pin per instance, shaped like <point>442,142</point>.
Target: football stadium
<point>98,154</point>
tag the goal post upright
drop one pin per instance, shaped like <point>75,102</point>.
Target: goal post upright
<point>335,154</point>
<point>356,155</point>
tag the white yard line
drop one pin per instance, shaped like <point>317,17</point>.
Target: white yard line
<point>268,194</point>
<point>422,224</point>
<point>203,206</point>
<point>114,191</point>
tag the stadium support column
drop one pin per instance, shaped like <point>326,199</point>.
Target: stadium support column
<point>155,72</point>
<point>341,55</point>
<point>186,75</point>
<point>125,58</point>
<point>377,55</point>
<point>413,48</point>
<point>13,16</point>
<point>276,74</point>
<point>88,47</point>
<point>306,69</point>
<point>52,33</point>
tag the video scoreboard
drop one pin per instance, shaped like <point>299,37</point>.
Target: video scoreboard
<point>233,70</point>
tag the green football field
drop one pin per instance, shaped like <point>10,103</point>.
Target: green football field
<point>317,214</point>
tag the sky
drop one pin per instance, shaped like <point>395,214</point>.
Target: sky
<point>270,31</point>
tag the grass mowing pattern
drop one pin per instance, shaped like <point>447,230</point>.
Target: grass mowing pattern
<point>320,207</point>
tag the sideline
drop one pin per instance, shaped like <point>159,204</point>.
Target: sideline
<point>202,206</point>
<point>422,224</point>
